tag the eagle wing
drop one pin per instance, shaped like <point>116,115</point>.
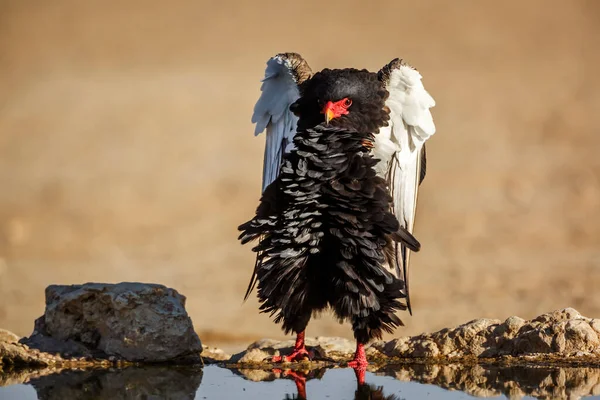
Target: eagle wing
<point>401,148</point>
<point>280,88</point>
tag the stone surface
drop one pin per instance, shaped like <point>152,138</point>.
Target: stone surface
<point>131,321</point>
<point>213,354</point>
<point>562,333</point>
<point>18,354</point>
<point>8,337</point>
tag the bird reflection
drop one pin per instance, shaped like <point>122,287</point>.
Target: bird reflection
<point>364,391</point>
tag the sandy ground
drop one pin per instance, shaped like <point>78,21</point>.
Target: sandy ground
<point>126,149</point>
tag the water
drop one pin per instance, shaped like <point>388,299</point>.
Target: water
<point>390,383</point>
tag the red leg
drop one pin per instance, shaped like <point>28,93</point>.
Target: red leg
<point>298,354</point>
<point>359,363</point>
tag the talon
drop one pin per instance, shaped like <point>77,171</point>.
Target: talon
<point>296,355</point>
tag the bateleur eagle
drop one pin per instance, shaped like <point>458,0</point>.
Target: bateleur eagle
<point>344,158</point>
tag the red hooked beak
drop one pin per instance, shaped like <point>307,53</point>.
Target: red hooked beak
<point>328,111</point>
<point>334,110</point>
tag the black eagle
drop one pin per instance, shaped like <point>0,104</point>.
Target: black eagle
<point>344,158</point>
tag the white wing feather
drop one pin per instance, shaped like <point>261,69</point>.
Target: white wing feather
<point>399,146</point>
<point>280,89</point>
<point>272,112</point>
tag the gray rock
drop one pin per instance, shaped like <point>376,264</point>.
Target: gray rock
<point>130,321</point>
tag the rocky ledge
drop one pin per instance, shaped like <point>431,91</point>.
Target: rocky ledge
<point>559,336</point>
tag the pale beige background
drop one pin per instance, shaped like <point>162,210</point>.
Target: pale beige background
<point>126,149</point>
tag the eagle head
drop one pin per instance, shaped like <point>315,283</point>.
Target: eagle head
<point>349,99</point>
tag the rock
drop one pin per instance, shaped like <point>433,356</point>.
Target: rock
<point>580,336</point>
<point>534,341</point>
<point>130,321</point>
<point>595,324</point>
<point>513,324</point>
<point>210,354</point>
<point>334,348</point>
<point>425,348</point>
<point>67,348</point>
<point>393,348</point>
<point>564,334</point>
<point>473,337</point>
<point>18,354</point>
<point>8,336</point>
<point>561,332</point>
<point>255,355</point>
<point>334,345</point>
<point>565,314</point>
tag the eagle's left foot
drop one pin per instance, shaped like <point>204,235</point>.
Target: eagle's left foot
<point>298,354</point>
<point>359,363</point>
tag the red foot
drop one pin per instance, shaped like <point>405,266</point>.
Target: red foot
<point>298,354</point>
<point>359,363</point>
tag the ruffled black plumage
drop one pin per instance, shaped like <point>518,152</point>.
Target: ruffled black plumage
<point>322,228</point>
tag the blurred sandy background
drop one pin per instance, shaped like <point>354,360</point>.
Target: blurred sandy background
<point>126,149</point>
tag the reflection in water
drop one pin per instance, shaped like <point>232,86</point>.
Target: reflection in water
<point>364,391</point>
<point>475,380</point>
<point>128,383</point>
<point>511,381</point>
<point>389,383</point>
